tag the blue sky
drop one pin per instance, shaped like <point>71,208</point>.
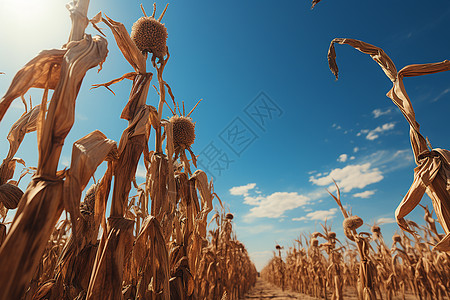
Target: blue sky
<point>274,125</point>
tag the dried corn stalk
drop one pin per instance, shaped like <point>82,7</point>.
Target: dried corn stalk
<point>113,247</point>
<point>432,174</point>
<point>43,201</point>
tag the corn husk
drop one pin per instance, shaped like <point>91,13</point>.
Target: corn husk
<point>10,195</point>
<point>432,174</point>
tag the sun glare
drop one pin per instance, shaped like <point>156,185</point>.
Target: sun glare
<point>33,25</point>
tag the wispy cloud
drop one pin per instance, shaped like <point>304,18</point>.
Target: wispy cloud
<point>342,158</point>
<point>442,94</point>
<point>375,133</point>
<point>81,117</point>
<point>356,149</point>
<point>391,160</point>
<point>319,215</point>
<point>378,112</point>
<point>385,221</point>
<point>242,190</point>
<point>365,194</point>
<point>350,177</point>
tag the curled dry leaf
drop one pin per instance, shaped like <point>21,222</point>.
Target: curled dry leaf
<point>34,75</point>
<point>25,124</point>
<point>314,3</point>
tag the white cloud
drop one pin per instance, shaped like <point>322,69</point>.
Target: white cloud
<point>336,126</point>
<point>365,194</point>
<point>141,172</point>
<point>319,215</point>
<point>352,157</point>
<point>356,149</point>
<point>378,112</point>
<point>81,117</point>
<point>375,133</point>
<point>242,190</point>
<point>274,205</point>
<point>342,158</point>
<point>385,221</point>
<point>390,161</point>
<point>65,161</point>
<point>350,177</point>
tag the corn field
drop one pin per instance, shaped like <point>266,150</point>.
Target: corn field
<point>154,242</point>
<point>321,265</point>
<point>171,237</point>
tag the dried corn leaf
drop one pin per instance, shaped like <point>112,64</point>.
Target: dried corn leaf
<point>106,279</point>
<point>87,154</point>
<point>205,189</point>
<point>150,246</point>
<point>8,167</point>
<point>137,127</point>
<point>101,196</point>
<point>80,253</point>
<point>126,45</point>
<point>2,233</point>
<point>78,14</point>
<point>157,185</point>
<point>138,96</point>
<point>32,226</point>
<point>80,57</point>
<point>314,3</point>
<point>34,74</point>
<point>25,124</point>
<point>432,175</point>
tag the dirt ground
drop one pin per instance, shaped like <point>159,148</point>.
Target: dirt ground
<point>265,290</point>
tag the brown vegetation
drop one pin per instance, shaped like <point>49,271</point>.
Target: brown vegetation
<point>153,245</point>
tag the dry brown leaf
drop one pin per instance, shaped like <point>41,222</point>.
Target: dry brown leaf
<point>87,154</point>
<point>126,45</point>
<point>25,124</point>
<point>106,279</point>
<point>34,74</point>
<point>150,245</point>
<point>314,3</point>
